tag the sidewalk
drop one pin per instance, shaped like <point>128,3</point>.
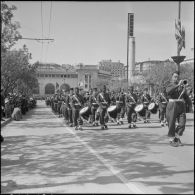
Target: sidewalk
<point>7,120</point>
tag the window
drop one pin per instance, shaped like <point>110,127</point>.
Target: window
<point>41,75</point>
<point>68,76</point>
<point>62,75</point>
<point>53,75</point>
<point>46,75</point>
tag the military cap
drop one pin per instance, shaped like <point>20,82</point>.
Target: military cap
<point>71,89</point>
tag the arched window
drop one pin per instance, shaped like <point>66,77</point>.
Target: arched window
<point>64,87</point>
<point>49,88</point>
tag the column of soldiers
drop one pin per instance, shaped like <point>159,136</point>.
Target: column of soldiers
<point>94,107</point>
<point>70,102</point>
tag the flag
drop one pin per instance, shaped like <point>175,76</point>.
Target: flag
<point>179,34</point>
<point>57,85</point>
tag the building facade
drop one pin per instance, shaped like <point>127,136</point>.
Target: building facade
<point>54,77</point>
<point>117,69</point>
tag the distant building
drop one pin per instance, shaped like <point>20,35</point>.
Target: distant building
<point>117,69</point>
<point>54,77</point>
<point>90,76</point>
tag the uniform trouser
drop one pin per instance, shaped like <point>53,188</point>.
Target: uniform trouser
<point>70,115</point>
<point>64,111</point>
<point>120,112</point>
<point>76,117</point>
<point>176,110</point>
<point>58,108</point>
<point>131,114</point>
<point>93,111</point>
<point>147,115</point>
<point>55,107</point>
<point>102,112</point>
<point>162,112</point>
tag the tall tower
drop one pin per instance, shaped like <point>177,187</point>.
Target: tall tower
<point>130,49</point>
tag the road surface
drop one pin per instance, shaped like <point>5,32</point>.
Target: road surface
<point>41,154</point>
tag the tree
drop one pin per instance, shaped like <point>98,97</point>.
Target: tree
<point>160,74</point>
<point>9,32</point>
<point>15,69</point>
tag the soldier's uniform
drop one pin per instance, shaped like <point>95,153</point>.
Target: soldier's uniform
<point>77,103</point>
<point>60,100</point>
<point>64,108</point>
<point>162,102</point>
<point>93,106</point>
<point>103,100</point>
<point>120,103</point>
<point>176,109</point>
<point>131,100</point>
<point>145,99</point>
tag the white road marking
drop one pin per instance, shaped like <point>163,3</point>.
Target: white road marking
<point>132,187</point>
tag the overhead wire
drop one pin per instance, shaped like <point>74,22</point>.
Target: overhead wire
<point>42,30</point>
<point>50,14</point>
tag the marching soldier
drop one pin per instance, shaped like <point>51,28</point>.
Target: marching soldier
<point>77,103</point>
<point>93,106</point>
<point>120,103</point>
<point>145,99</point>
<point>162,102</point>
<point>60,100</point>
<point>103,100</point>
<point>131,100</point>
<point>64,107</point>
<point>177,96</point>
<point>70,115</point>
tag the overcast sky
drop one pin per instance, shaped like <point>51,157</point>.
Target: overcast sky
<point>89,32</point>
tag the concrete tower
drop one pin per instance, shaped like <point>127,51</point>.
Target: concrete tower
<point>130,48</point>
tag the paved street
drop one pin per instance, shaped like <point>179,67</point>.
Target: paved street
<point>41,155</point>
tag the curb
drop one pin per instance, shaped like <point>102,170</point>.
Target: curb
<point>6,122</point>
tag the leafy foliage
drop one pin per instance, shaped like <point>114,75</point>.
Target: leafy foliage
<point>159,75</point>
<point>16,71</point>
<point>9,32</point>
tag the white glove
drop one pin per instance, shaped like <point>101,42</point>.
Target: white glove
<point>180,82</point>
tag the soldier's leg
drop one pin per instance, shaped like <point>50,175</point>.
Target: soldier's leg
<point>122,114</point>
<point>182,118</point>
<point>74,116</point>
<point>171,114</point>
<point>134,118</point>
<point>102,115</point>
<point>70,113</point>
<point>129,119</point>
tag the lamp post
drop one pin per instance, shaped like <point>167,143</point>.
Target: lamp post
<point>178,59</point>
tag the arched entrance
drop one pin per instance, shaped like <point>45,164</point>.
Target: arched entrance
<point>49,88</point>
<point>64,87</point>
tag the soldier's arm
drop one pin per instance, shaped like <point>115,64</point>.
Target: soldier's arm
<point>171,88</point>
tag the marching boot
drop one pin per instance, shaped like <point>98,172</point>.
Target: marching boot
<point>102,127</point>
<point>129,126</point>
<point>162,124</point>
<point>105,127</point>
<point>80,128</point>
<point>134,125</point>
<point>121,121</point>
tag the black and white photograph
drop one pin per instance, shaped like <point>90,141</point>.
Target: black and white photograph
<point>97,97</point>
